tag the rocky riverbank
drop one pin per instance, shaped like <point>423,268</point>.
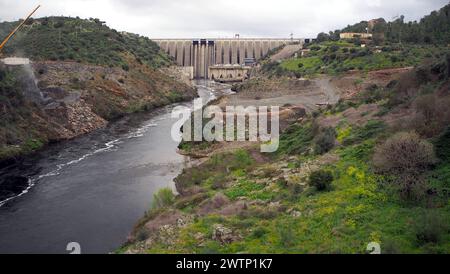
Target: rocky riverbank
<point>50,101</point>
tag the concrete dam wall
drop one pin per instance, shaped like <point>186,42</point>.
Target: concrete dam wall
<point>201,54</point>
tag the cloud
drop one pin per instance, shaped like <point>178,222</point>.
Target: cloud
<point>224,18</point>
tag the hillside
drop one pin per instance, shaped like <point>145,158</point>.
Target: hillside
<point>367,160</point>
<point>431,29</point>
<point>372,168</point>
<point>396,44</point>
<point>82,76</point>
<point>86,41</point>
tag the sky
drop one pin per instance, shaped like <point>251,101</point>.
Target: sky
<point>224,18</point>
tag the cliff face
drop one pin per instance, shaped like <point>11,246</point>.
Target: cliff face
<point>54,100</point>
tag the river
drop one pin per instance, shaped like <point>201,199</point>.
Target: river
<point>93,189</point>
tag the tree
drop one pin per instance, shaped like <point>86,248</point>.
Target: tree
<point>405,156</point>
<point>323,37</point>
<point>325,141</point>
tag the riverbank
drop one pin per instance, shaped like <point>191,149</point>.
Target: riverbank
<point>53,101</point>
<point>100,181</point>
<point>321,191</point>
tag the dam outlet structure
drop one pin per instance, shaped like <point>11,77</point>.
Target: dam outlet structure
<point>218,58</point>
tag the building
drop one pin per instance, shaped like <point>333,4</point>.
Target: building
<point>354,35</point>
<point>228,73</point>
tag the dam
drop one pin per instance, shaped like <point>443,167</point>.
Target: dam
<point>199,55</point>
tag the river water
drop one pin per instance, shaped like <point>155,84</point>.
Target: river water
<point>93,189</point>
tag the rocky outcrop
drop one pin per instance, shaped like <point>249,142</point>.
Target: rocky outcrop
<point>62,100</point>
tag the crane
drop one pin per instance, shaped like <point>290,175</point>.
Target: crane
<point>17,28</point>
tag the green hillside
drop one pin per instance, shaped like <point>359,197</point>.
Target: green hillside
<point>85,41</point>
<point>395,44</point>
<point>431,29</point>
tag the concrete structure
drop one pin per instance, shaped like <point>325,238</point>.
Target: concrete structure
<point>15,61</point>
<point>228,73</point>
<point>204,53</point>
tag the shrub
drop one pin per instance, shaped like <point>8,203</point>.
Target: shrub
<point>443,145</point>
<point>321,179</point>
<point>371,129</point>
<point>219,181</point>
<point>325,140</point>
<point>286,233</point>
<point>429,229</point>
<point>432,115</point>
<point>405,156</point>
<point>242,159</point>
<point>296,139</point>
<point>142,235</point>
<point>163,198</point>
<point>259,232</point>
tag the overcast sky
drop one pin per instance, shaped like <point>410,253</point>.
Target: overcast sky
<point>224,18</point>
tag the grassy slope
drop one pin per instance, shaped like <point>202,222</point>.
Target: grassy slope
<point>87,41</point>
<point>337,57</point>
<point>360,208</point>
<point>357,210</point>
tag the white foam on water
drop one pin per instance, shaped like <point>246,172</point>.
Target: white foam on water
<point>109,146</point>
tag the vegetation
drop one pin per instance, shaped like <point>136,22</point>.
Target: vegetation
<point>394,44</point>
<point>405,156</point>
<point>18,135</point>
<point>26,125</point>
<point>432,29</point>
<point>80,40</point>
<point>321,179</point>
<point>297,139</point>
<point>163,198</point>
<point>325,140</point>
<point>338,57</point>
<point>285,209</point>
<point>387,174</point>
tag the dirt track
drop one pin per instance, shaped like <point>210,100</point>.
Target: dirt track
<point>319,91</point>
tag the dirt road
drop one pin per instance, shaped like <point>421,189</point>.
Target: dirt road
<point>318,91</point>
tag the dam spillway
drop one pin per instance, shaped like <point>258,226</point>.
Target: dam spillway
<point>201,54</point>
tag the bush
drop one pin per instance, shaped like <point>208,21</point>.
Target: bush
<point>259,232</point>
<point>296,139</point>
<point>242,159</point>
<point>429,229</point>
<point>370,130</point>
<point>443,145</point>
<point>325,140</point>
<point>163,198</point>
<point>321,179</point>
<point>405,156</point>
<point>142,235</point>
<point>432,115</point>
